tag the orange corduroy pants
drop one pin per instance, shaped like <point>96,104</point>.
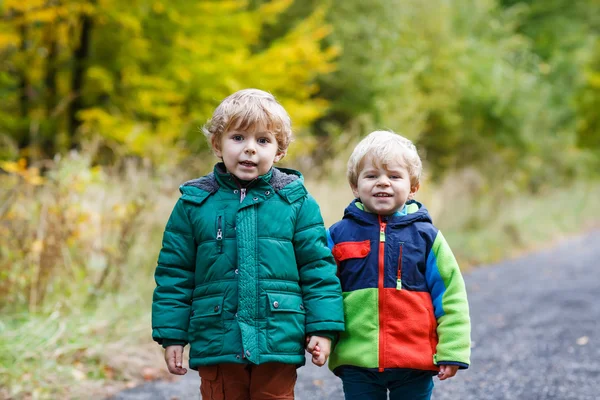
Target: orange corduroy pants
<point>268,381</point>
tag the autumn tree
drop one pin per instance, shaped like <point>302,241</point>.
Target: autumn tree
<point>145,75</point>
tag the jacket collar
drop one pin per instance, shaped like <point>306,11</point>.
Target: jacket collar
<point>397,220</point>
<point>288,183</point>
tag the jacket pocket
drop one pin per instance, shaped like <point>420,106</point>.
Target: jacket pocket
<point>346,250</point>
<point>433,337</point>
<point>206,328</point>
<point>286,323</point>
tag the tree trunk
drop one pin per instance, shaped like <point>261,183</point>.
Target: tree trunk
<point>47,138</point>
<point>79,69</point>
<point>23,139</point>
<point>51,71</point>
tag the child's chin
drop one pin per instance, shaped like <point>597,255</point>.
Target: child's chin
<point>384,211</point>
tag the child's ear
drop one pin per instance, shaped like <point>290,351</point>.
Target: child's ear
<point>413,191</point>
<point>279,156</point>
<point>216,146</point>
<point>354,191</point>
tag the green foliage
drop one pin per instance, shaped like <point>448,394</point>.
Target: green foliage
<point>588,104</point>
<point>466,81</point>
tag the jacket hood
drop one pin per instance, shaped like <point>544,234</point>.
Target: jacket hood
<point>416,212</point>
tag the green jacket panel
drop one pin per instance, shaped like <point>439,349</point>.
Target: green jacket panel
<point>244,279</point>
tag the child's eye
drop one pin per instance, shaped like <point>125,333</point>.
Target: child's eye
<point>237,138</point>
<point>371,176</point>
<point>263,140</point>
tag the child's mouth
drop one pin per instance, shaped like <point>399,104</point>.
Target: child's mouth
<point>382,195</point>
<point>248,164</point>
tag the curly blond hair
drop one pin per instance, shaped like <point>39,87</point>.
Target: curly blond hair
<point>249,109</point>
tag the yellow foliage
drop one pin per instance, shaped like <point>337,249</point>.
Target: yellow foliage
<point>158,7</point>
<point>43,15</point>
<point>9,39</point>
<point>100,80</point>
<point>130,23</point>
<point>30,175</point>
<point>156,70</point>
<point>271,10</point>
<point>593,79</point>
<point>22,6</point>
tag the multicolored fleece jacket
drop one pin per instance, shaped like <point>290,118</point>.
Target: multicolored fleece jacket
<point>405,303</point>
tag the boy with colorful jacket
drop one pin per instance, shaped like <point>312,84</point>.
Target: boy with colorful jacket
<point>245,274</point>
<point>405,303</point>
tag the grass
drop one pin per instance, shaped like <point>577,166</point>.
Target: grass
<point>75,355</point>
<point>69,350</point>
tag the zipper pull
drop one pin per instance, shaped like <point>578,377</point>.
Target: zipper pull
<point>399,281</point>
<point>219,234</point>
<point>219,230</point>
<point>382,232</point>
<point>242,194</point>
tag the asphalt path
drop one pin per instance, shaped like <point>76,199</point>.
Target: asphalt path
<point>535,335</point>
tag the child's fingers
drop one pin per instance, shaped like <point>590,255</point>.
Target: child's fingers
<point>171,364</point>
<point>174,362</point>
<point>177,370</point>
<point>446,372</point>
<point>178,358</point>
<point>310,347</point>
<point>319,360</point>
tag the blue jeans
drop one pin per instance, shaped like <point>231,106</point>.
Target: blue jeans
<point>403,384</point>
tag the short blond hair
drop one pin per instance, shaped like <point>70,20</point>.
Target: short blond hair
<point>385,147</point>
<point>247,109</point>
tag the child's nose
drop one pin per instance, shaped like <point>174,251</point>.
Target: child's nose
<point>383,181</point>
<point>250,149</point>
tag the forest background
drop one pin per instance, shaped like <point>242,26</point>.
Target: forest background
<point>102,101</point>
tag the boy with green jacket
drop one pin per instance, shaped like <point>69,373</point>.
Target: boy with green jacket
<point>245,275</point>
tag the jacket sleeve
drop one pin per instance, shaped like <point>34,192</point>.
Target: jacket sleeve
<point>321,291</point>
<point>449,297</point>
<point>174,275</point>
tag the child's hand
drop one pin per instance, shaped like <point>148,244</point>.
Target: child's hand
<point>174,360</point>
<point>319,347</point>
<point>447,371</point>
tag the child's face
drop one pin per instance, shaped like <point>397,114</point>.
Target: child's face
<point>384,190</point>
<point>248,154</point>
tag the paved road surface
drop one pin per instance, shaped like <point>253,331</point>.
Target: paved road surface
<point>535,334</point>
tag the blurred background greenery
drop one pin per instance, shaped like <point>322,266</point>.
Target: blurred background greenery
<point>101,104</point>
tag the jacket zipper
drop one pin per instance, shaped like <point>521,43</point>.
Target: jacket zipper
<point>399,280</point>
<point>219,234</point>
<point>243,190</point>
<point>381,302</point>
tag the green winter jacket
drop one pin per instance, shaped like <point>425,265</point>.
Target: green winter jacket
<point>245,274</point>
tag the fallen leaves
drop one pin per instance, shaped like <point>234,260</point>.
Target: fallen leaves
<point>582,341</point>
